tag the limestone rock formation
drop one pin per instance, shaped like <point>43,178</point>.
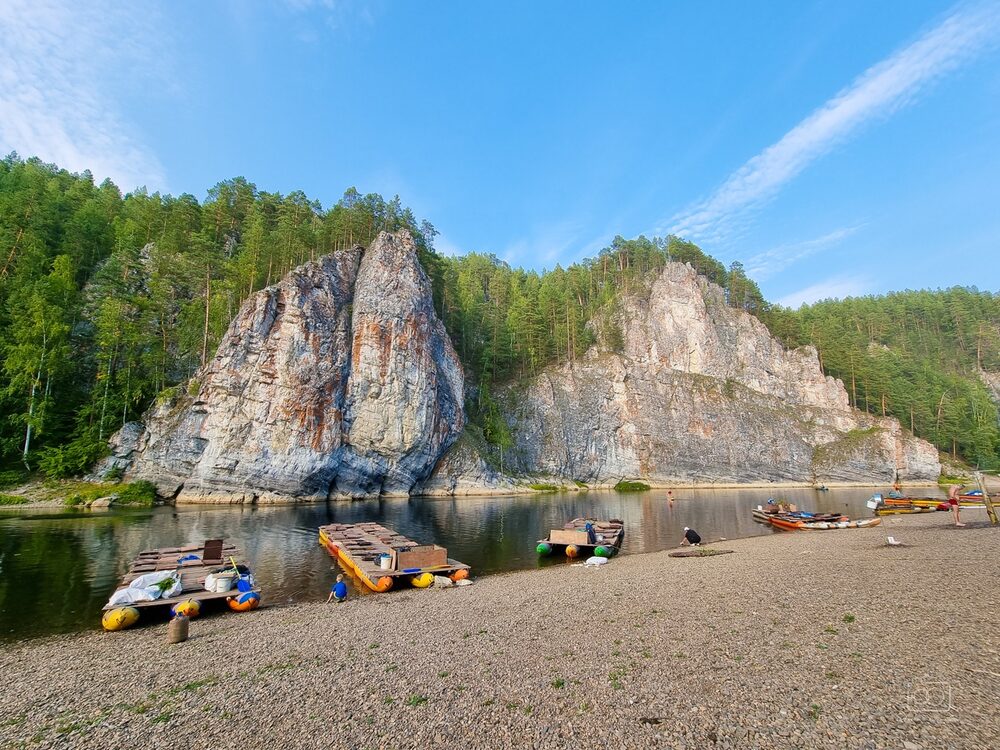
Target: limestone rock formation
<point>992,382</point>
<point>340,381</point>
<point>337,381</point>
<point>463,471</point>
<point>405,393</point>
<point>702,392</point>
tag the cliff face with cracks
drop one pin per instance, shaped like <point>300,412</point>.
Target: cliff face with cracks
<point>701,392</point>
<point>339,381</point>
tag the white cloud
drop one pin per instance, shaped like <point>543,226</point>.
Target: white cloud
<point>837,287</point>
<point>877,93</point>
<point>338,14</point>
<point>444,246</point>
<point>544,247</point>
<point>56,65</point>
<point>766,264</point>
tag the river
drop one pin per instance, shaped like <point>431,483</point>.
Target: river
<point>58,567</point>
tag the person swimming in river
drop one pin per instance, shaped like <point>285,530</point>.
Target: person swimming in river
<point>338,591</point>
<point>953,502</point>
<point>690,537</point>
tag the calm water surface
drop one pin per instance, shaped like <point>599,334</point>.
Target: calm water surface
<point>57,568</point>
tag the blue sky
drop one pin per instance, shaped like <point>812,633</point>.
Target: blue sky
<point>834,148</point>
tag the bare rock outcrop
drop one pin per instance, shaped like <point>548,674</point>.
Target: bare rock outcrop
<point>463,470</point>
<point>992,382</point>
<point>337,381</point>
<point>405,394</point>
<point>701,392</point>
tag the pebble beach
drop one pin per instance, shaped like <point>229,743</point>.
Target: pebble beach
<point>797,640</point>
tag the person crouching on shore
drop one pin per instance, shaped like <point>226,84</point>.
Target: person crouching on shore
<point>690,537</point>
<point>338,591</point>
<point>953,502</point>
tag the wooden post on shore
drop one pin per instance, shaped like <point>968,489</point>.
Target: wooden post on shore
<point>987,500</point>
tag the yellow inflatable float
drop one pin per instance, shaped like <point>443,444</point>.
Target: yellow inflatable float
<point>120,618</point>
<point>422,580</point>
<point>188,608</point>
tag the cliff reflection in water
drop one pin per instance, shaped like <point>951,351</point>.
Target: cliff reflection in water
<point>58,568</point>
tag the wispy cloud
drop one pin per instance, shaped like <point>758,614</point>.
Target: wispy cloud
<point>877,93</point>
<point>445,246</point>
<point>766,264</point>
<point>337,14</point>
<point>837,287</point>
<point>546,246</point>
<point>54,77</point>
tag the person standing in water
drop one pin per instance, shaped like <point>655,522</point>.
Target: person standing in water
<point>953,502</point>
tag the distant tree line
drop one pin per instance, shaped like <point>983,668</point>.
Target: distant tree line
<point>913,355</point>
<point>109,301</point>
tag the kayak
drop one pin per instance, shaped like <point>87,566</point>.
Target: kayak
<point>786,524</point>
<point>964,501</point>
<point>793,524</point>
<point>934,503</point>
<point>765,516</point>
<point>901,510</point>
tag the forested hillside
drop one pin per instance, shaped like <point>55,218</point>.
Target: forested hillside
<point>914,355</point>
<point>109,301</point>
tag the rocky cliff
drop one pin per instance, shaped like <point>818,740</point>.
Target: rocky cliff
<point>701,392</point>
<point>339,381</point>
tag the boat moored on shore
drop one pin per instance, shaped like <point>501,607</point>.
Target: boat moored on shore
<point>383,559</point>
<point>182,581</point>
<point>585,537</point>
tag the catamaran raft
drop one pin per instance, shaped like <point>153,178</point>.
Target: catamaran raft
<point>585,536</point>
<point>383,559</point>
<point>181,579</point>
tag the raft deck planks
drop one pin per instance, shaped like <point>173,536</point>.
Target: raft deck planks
<point>360,545</point>
<point>193,573</point>
<point>612,531</point>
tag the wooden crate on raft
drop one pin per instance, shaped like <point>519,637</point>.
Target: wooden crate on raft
<point>568,536</point>
<point>422,556</point>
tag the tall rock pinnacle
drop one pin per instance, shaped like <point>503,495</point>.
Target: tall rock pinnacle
<point>338,381</point>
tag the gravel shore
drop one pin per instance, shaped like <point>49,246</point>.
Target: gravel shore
<point>805,640</point>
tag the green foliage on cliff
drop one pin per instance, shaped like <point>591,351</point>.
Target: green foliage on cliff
<point>108,300</point>
<point>625,485</point>
<point>509,323</point>
<point>913,355</point>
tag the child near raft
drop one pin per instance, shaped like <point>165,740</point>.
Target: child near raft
<point>690,537</point>
<point>338,591</point>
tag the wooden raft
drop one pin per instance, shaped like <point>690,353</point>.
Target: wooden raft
<point>193,572</point>
<point>360,545</point>
<point>575,532</point>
